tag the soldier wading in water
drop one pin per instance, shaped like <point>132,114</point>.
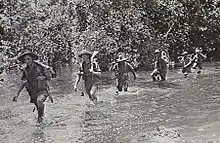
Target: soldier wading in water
<point>121,69</point>
<point>34,78</point>
<point>186,64</point>
<point>160,67</point>
<point>90,72</point>
<point>197,59</point>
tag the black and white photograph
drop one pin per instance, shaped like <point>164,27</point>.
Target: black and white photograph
<point>109,71</point>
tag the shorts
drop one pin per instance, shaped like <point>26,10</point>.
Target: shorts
<point>33,97</point>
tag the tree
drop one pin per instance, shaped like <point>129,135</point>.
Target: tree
<point>136,28</point>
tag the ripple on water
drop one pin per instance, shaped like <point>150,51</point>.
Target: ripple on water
<point>5,113</point>
<point>127,118</point>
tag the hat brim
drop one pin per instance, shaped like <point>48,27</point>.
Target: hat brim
<point>89,54</point>
<point>33,55</point>
<point>183,54</point>
<point>121,60</point>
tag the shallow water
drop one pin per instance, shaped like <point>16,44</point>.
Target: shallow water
<point>189,105</point>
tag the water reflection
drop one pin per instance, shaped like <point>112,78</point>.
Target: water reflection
<point>38,136</point>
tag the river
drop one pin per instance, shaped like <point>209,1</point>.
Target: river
<point>180,110</point>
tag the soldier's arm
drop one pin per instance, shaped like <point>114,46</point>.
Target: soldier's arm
<point>156,65</point>
<point>189,63</point>
<point>21,87</point>
<point>203,56</point>
<point>78,78</point>
<point>47,74</point>
<point>131,69</point>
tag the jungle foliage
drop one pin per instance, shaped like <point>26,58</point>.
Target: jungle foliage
<point>135,27</point>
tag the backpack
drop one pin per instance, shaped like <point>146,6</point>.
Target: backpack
<point>37,79</point>
<point>49,69</point>
<point>127,67</point>
<point>86,74</point>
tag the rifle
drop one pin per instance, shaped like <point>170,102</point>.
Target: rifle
<point>92,58</point>
<point>52,71</point>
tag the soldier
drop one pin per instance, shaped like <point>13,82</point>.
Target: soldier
<point>197,59</point>
<point>51,63</point>
<point>187,64</point>
<point>121,69</point>
<point>90,72</point>
<point>34,78</point>
<point>160,67</point>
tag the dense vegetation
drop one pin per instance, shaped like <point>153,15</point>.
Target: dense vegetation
<point>136,27</point>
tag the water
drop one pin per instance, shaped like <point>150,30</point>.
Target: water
<point>189,105</point>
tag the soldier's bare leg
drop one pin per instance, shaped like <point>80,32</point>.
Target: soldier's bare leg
<point>163,75</point>
<point>93,92</point>
<point>199,65</point>
<point>125,82</point>
<point>40,106</point>
<point>88,87</point>
<point>126,86</point>
<point>119,84</point>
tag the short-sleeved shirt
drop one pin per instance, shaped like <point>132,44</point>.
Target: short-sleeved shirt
<point>122,69</point>
<point>87,75</point>
<point>161,65</point>
<point>31,74</point>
